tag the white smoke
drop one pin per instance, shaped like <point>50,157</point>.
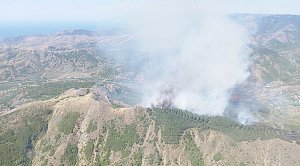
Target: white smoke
<point>245,117</point>
<point>193,49</point>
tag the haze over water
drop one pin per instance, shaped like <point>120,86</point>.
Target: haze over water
<point>35,28</point>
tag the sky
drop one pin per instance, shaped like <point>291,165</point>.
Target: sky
<point>27,17</point>
<point>107,10</point>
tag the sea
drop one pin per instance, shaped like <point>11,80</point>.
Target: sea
<point>35,28</point>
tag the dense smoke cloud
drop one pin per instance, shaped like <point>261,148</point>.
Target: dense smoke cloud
<point>196,54</point>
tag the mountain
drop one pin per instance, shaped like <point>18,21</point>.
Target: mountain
<point>69,98</point>
<point>94,131</point>
<point>73,52</point>
<point>43,66</point>
<point>275,67</point>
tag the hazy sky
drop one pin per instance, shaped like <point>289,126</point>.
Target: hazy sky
<point>100,10</point>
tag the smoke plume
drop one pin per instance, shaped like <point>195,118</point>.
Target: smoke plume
<point>245,117</point>
<point>196,54</point>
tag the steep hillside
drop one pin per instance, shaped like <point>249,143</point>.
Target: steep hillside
<point>272,89</point>
<point>82,127</point>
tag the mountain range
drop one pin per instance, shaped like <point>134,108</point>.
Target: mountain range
<point>66,100</point>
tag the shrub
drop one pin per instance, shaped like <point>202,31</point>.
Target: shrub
<point>68,122</point>
<point>193,151</point>
<point>217,157</point>
<point>91,127</point>
<point>88,150</point>
<point>118,140</point>
<point>138,157</point>
<point>71,154</point>
<point>16,143</point>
